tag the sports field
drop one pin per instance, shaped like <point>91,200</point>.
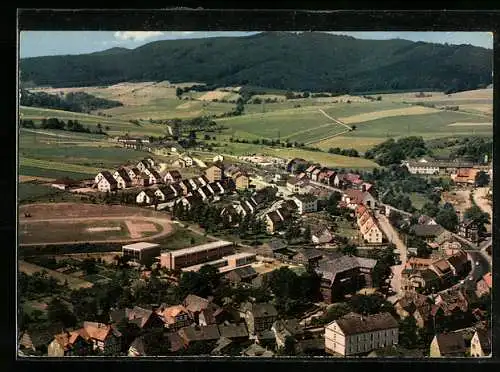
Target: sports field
<point>73,223</point>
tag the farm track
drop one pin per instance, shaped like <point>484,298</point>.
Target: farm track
<point>165,223</point>
<point>335,121</point>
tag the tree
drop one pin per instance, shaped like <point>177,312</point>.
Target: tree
<point>337,311</point>
<point>307,233</point>
<point>58,311</point>
<point>89,266</point>
<point>479,217</point>
<point>447,217</point>
<point>209,274</point>
<point>369,304</point>
<point>349,250</point>
<point>482,179</point>
<point>408,336</point>
<point>178,92</point>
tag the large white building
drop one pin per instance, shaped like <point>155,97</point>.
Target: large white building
<point>306,203</point>
<point>356,334</point>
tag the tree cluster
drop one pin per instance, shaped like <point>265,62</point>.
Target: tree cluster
<point>72,101</point>
<point>394,151</point>
<point>345,152</point>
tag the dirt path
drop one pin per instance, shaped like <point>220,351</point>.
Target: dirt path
<point>165,223</point>
<point>335,120</point>
<point>479,196</point>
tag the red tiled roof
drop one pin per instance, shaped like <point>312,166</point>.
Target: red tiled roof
<point>488,279</point>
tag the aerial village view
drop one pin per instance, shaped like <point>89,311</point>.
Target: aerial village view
<point>256,194</point>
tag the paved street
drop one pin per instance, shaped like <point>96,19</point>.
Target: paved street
<point>393,237</point>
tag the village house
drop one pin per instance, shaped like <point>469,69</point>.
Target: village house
<point>292,184</point>
<point>203,311</point>
<point>468,229</point>
<point>286,328</point>
<point>449,303</point>
<point>465,176</point>
<point>255,350</point>
<point>421,167</point>
<point>484,285</point>
<point>179,163</point>
<point>145,165</point>
<point>343,275</point>
<point>259,317</point>
<point>188,160</point>
<point>189,201</point>
<point>273,245</point>
<point>214,173</point>
<point>443,270</point>
<point>74,343</point>
<point>36,341</point>
<point>234,332</point>
<point>106,182</point>
<point>275,220</point>
<point>295,164</point>
<point>122,178</point>
<point>426,220</point>
<point>307,257</point>
<point>480,345</point>
<point>447,345</point>
<point>459,263</point>
<point>242,181</point>
<point>154,177</point>
<point>354,198</point>
<point>306,203</point>
<point>420,280</point>
<point>143,318</point>
<point>134,174</point>
<point>197,333</point>
<point>415,305</point>
<point>243,274</point>
<point>172,176</point>
<point>222,345</point>
<point>147,196</point>
<point>164,193</point>
<point>104,337</point>
<point>355,334</point>
<point>371,232</point>
<point>177,189</point>
<point>65,183</point>
<point>321,235</point>
<point>427,232</point>
<point>174,317</point>
<point>218,158</point>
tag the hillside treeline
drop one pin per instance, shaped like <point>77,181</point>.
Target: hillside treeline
<point>309,61</point>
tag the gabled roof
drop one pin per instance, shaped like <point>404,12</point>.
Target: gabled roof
<point>244,272</point>
<point>195,303</point>
<point>263,310</point>
<point>427,230</point>
<point>353,323</point>
<point>138,313</point>
<point>100,331</point>
<point>109,177</point>
<point>329,269</point>
<point>274,216</point>
<point>122,172</point>
<point>205,333</point>
<point>233,330</point>
<point>451,344</point>
<point>309,254</point>
<point>484,337</point>
<point>458,259</point>
<point>488,279</point>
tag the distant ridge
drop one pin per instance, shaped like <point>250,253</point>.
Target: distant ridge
<point>313,61</point>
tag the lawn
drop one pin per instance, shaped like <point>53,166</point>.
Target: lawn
<point>359,143</point>
<point>60,166</point>
<point>181,238</point>
<point>52,173</point>
<point>418,200</point>
<point>73,282</point>
<point>31,191</point>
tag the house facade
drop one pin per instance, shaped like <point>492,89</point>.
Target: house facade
<point>306,203</point>
<point>355,334</point>
<point>214,173</point>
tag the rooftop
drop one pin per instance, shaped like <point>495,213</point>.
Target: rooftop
<point>353,323</point>
<point>140,246</point>
<point>199,248</point>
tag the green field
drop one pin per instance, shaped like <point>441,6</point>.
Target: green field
<point>52,173</point>
<point>418,200</point>
<point>31,191</point>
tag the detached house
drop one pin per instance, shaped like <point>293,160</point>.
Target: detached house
<point>147,196</point>
<point>480,345</point>
<point>104,337</point>
<point>354,198</point>
<point>106,182</point>
<point>415,305</point>
<point>259,317</point>
<point>75,343</point>
<point>174,317</point>
<point>469,230</point>
<point>122,178</point>
<point>134,175</point>
<point>355,334</point>
<point>306,203</point>
<point>214,173</point>
<point>172,176</point>
<point>447,345</point>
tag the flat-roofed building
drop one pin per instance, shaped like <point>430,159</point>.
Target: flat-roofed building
<point>141,252</point>
<point>195,255</point>
<point>227,263</point>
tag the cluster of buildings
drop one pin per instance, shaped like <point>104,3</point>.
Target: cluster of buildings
<point>460,172</point>
<point>426,274</point>
<point>368,225</point>
<point>145,173</point>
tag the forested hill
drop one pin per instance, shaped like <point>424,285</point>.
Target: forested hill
<point>308,61</point>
